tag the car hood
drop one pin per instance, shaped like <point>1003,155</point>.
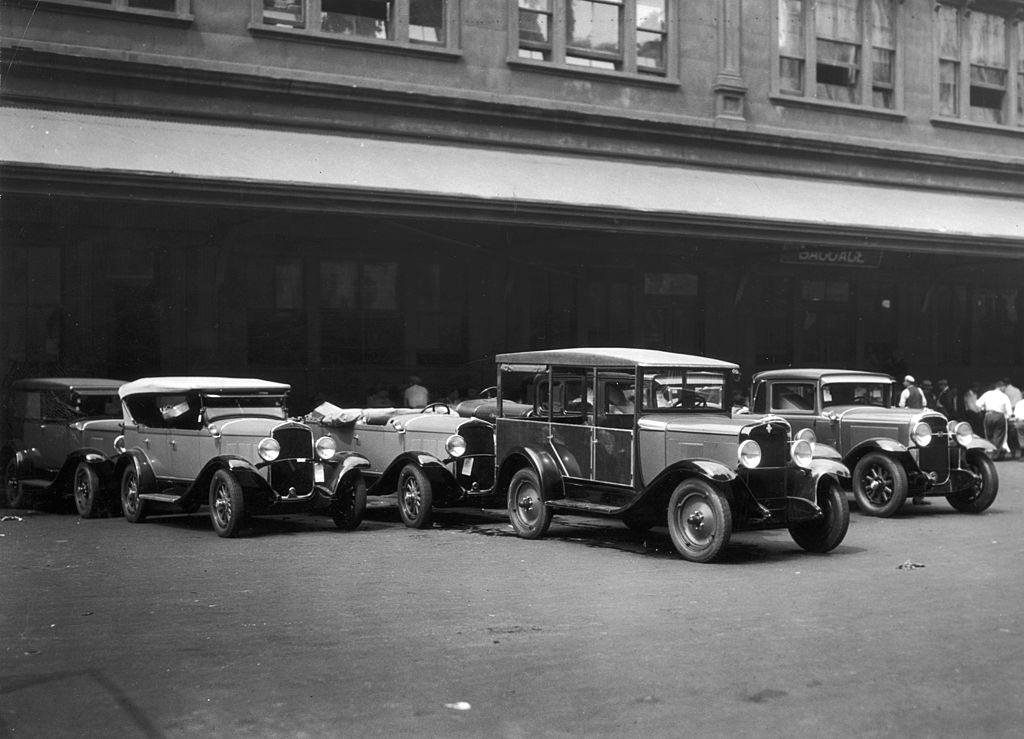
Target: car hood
<point>438,422</point>
<point>705,423</point>
<point>254,426</point>
<point>873,414</point>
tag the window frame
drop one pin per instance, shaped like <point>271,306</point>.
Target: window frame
<point>1013,118</point>
<point>181,15</point>
<point>865,85</point>
<point>400,44</point>
<point>560,47</point>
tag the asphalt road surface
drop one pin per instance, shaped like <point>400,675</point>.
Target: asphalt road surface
<point>163,629</point>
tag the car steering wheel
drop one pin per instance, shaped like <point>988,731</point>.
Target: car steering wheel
<point>431,408</point>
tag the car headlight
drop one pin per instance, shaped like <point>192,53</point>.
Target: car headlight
<point>325,447</point>
<point>455,445</point>
<point>749,454</point>
<point>805,435</point>
<point>962,431</point>
<point>922,434</point>
<point>802,452</point>
<point>268,449</point>
<point>119,445</point>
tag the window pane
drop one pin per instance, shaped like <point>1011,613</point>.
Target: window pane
<point>791,28</point>
<point>167,5</point>
<point>988,39</point>
<point>595,26</point>
<point>380,286</point>
<point>882,66</point>
<point>650,15</point>
<point>949,32</point>
<point>791,75</point>
<point>650,50</point>
<point>288,285</point>
<point>283,13</point>
<point>838,20</point>
<point>426,21</point>
<point>368,18</point>
<point>837,73</point>
<point>949,97</point>
<point>338,286</point>
<point>882,24</point>
<point>534,28</point>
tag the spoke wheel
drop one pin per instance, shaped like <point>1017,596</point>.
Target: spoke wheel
<point>699,521</point>
<point>415,497</point>
<point>14,491</point>
<point>349,503</point>
<point>134,507</point>
<point>879,484</point>
<point>87,491</point>
<point>227,504</point>
<point>983,492</point>
<point>527,510</point>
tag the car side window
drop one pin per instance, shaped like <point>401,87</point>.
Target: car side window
<point>760,402</point>
<point>792,396</point>
<point>179,411</point>
<point>59,407</point>
<point>617,402</point>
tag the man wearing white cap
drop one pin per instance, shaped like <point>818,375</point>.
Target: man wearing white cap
<point>912,396</point>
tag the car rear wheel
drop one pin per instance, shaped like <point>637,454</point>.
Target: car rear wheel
<point>824,534</point>
<point>983,494</point>
<point>14,491</point>
<point>415,497</point>
<point>349,503</point>
<point>87,491</point>
<point>699,521</point>
<point>529,513</point>
<point>227,504</point>
<point>133,506</point>
<point>879,484</point>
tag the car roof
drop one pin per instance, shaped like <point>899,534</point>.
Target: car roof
<point>82,385</point>
<point>207,384</point>
<point>613,357</point>
<point>832,375</point>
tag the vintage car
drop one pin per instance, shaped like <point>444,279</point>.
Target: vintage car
<point>647,436</point>
<point>893,452</point>
<point>228,442</point>
<point>433,457</point>
<point>64,429</point>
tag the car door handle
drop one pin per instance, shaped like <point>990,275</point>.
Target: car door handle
<point>146,442</point>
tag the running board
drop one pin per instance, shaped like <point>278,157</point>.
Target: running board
<point>160,497</point>
<point>585,506</point>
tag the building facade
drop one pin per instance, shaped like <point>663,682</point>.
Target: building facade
<point>338,194</point>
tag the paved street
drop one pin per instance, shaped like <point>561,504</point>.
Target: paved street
<point>163,629</point>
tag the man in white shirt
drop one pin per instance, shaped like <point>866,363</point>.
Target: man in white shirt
<point>415,395</point>
<point>1018,424</point>
<point>912,396</point>
<point>997,409</point>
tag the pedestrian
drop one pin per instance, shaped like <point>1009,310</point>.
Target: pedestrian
<point>1012,392</point>
<point>415,395</point>
<point>1018,426</point>
<point>929,395</point>
<point>1012,439</point>
<point>912,396</point>
<point>971,410</point>
<point>997,409</point>
<point>945,399</point>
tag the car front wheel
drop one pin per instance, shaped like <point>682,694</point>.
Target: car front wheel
<point>415,497</point>
<point>133,506</point>
<point>699,521</point>
<point>227,504</point>
<point>350,503</point>
<point>983,493</point>
<point>879,484</point>
<point>824,534</point>
<point>529,513</point>
<point>87,491</point>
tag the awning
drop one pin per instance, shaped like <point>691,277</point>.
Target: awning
<point>40,146</point>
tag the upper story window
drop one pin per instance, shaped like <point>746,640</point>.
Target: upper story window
<point>842,51</point>
<point>981,65</point>
<point>405,21</point>
<point>615,35</point>
<point>173,10</point>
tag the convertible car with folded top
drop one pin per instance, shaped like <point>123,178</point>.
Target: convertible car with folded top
<point>63,446</point>
<point>893,452</point>
<point>228,443</point>
<point>647,436</point>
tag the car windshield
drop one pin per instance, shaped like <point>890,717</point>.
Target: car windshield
<point>684,390</point>
<point>255,404</point>
<point>856,393</point>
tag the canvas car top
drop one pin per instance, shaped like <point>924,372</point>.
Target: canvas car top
<point>80,385</point>
<point>831,375</point>
<point>613,357</point>
<point>206,384</point>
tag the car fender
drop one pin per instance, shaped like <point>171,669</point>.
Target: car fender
<point>136,457</point>
<point>543,465</point>
<point>980,444</point>
<point>441,479</point>
<point>822,468</point>
<point>345,465</point>
<point>661,487</point>
<point>244,471</point>
<point>103,465</point>
<point>880,444</point>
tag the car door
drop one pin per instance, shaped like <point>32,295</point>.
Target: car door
<point>52,437</point>
<point>613,429</point>
<point>185,434</point>
<point>570,403</point>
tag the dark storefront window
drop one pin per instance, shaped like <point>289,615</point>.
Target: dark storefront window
<point>31,295</point>
<point>610,307</point>
<point>277,314</point>
<point>824,334</point>
<point>673,317</point>
<point>774,320</point>
<point>997,318</point>
<point>439,325</point>
<point>359,313</point>
<point>552,310</point>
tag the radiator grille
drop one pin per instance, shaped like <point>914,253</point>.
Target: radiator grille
<point>296,442</point>
<point>291,474</point>
<point>773,438</point>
